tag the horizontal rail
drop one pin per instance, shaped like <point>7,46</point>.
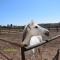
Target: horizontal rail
<point>44,42</point>
<point>30,47</point>
<point>26,48</point>
<point>16,44</point>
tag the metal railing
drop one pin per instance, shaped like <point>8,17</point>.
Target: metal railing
<point>23,49</point>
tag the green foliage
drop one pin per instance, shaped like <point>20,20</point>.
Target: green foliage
<point>49,25</point>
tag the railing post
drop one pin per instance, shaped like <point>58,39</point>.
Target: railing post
<point>22,53</point>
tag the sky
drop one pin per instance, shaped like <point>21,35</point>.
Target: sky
<point>21,12</point>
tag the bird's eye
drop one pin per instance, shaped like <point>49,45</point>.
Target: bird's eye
<point>36,26</point>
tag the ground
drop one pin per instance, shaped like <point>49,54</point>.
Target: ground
<point>9,51</point>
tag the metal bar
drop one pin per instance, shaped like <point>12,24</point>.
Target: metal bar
<point>16,44</point>
<point>21,45</point>
<point>57,56</point>
<point>22,54</point>
<point>44,42</point>
<point>27,48</point>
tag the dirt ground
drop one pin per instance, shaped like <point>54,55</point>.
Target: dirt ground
<point>12,52</point>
